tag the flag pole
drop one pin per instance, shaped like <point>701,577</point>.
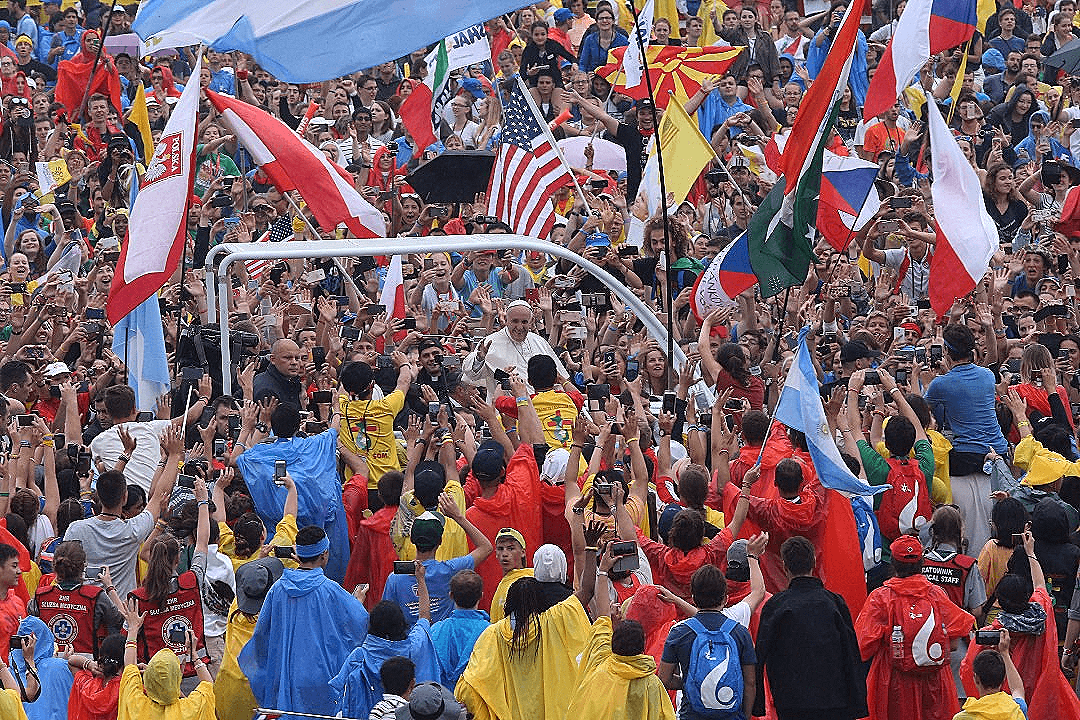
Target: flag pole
<point>183,260</point>
<point>663,192</point>
<point>527,96</point>
<point>772,415</point>
<point>337,261</point>
<point>93,69</point>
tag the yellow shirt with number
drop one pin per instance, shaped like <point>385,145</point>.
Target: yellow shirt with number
<point>370,433</point>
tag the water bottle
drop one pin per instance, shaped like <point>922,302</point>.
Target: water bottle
<point>897,642</point>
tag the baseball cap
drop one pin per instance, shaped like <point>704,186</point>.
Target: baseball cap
<point>739,161</point>
<point>512,534</point>
<point>856,350</point>
<point>906,548</point>
<point>738,565</point>
<point>253,581</point>
<point>427,531</point>
<point>429,479</point>
<point>489,460</point>
<point>562,15</point>
<point>430,701</point>
<point>598,239</point>
<point>473,86</point>
<point>554,469</point>
<point>56,368</point>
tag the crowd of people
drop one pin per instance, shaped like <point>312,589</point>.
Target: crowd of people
<point>510,503</point>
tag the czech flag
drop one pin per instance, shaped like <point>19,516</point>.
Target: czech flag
<point>848,199</point>
<point>926,28</point>
<point>728,275</point>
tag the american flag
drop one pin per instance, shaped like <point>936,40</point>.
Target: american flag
<point>279,230</point>
<point>528,170</point>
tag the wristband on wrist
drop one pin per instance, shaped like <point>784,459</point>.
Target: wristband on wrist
<point>591,549</point>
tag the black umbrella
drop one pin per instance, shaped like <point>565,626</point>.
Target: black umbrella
<point>1067,58</point>
<point>454,176</point>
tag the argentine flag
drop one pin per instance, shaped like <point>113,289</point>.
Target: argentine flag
<point>800,408</point>
<point>139,340</point>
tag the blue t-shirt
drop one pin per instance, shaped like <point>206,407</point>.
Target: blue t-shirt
<point>963,402</point>
<point>677,651</point>
<point>469,282</point>
<point>437,574</point>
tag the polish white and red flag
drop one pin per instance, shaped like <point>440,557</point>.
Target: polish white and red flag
<point>392,296</point>
<point>964,244</point>
<point>157,231</point>
<point>292,163</point>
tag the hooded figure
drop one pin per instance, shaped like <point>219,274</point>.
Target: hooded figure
<point>621,687</point>
<point>1033,646</point>
<point>307,627</point>
<point>1026,150</point>
<point>1059,557</point>
<point>155,693</point>
<point>73,76</point>
<point>53,672</point>
<point>359,684</point>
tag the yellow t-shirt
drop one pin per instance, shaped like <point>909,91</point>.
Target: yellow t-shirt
<point>284,536</point>
<point>634,506</point>
<point>370,433</point>
<point>498,600</point>
<point>235,700</point>
<point>10,705</point>
<point>557,413</point>
<point>455,542</point>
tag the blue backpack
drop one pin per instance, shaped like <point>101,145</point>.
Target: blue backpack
<point>714,683</point>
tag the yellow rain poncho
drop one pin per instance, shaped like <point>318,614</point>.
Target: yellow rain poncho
<point>536,686</point>
<point>617,687</point>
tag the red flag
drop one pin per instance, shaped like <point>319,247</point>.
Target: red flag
<point>158,228</point>
<point>1069,225</point>
<point>292,163</point>
<point>415,114</point>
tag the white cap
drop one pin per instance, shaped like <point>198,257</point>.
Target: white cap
<point>56,368</point>
<point>555,466</point>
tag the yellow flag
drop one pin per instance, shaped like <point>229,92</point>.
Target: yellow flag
<point>915,98</point>
<point>959,82</point>
<point>59,170</point>
<point>705,10</point>
<point>141,118</point>
<point>983,10</point>
<point>686,151</point>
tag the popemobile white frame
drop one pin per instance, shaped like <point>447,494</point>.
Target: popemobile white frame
<point>221,257</point>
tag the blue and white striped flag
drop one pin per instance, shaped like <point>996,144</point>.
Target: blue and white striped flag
<point>800,408</point>
<point>315,40</point>
<point>139,340</point>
